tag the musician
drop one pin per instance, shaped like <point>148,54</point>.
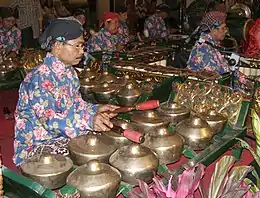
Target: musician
<point>123,30</point>
<point>50,109</point>
<point>106,39</point>
<point>155,25</point>
<point>206,57</point>
<point>10,35</point>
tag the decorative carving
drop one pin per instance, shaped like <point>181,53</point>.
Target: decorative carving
<point>200,97</point>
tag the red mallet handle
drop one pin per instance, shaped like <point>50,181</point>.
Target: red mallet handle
<point>133,136</point>
<point>148,105</point>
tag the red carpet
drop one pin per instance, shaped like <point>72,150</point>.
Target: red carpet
<point>9,99</point>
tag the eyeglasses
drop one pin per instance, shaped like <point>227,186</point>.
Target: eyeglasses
<point>77,46</point>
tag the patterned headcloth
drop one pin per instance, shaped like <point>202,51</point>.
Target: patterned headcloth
<point>61,30</point>
<point>213,19</point>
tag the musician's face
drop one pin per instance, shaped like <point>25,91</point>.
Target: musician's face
<point>220,32</point>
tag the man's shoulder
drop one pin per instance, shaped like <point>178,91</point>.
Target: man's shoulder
<point>38,74</point>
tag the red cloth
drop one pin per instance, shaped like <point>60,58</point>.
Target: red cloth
<point>253,44</point>
<point>109,16</point>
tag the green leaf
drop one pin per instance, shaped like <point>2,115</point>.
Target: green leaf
<point>255,174</point>
<point>219,177</point>
<point>68,122</point>
<point>253,187</point>
<point>55,125</point>
<point>37,93</point>
<point>245,145</point>
<point>45,103</point>
<point>236,176</point>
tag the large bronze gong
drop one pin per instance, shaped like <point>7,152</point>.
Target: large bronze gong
<point>239,28</point>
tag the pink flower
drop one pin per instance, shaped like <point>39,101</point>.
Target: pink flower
<point>69,75</point>
<point>58,67</point>
<point>49,113</point>
<point>20,124</point>
<point>70,132</point>
<point>47,85</point>
<point>197,60</point>
<point>40,133</point>
<point>39,109</point>
<point>86,117</point>
<point>61,115</point>
<point>82,123</point>
<point>28,77</point>
<point>25,98</point>
<point>81,106</point>
<point>64,90</point>
<point>44,69</point>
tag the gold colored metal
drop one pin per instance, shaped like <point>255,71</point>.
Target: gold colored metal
<point>119,140</point>
<point>168,146</point>
<point>241,10</point>
<point>95,65</point>
<point>196,132</point>
<point>87,73</point>
<point>140,71</point>
<point>122,81</point>
<point>215,120</point>
<point>257,101</point>
<point>86,84</point>
<point>175,112</point>
<point>128,95</point>
<point>88,147</point>
<point>106,77</point>
<point>103,93</point>
<point>95,180</point>
<point>202,96</point>
<point>135,162</point>
<point>32,58</point>
<point>7,69</point>
<point>148,121</point>
<point>49,170</point>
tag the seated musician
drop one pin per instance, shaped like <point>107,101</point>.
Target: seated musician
<point>123,30</point>
<point>10,35</point>
<point>206,57</point>
<point>155,25</point>
<point>50,109</point>
<point>106,39</point>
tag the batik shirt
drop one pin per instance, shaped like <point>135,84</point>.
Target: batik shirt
<point>123,34</point>
<point>10,38</point>
<point>102,41</point>
<point>49,107</point>
<point>156,27</point>
<point>204,57</point>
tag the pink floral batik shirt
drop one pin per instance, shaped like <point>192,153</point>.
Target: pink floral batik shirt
<point>49,107</point>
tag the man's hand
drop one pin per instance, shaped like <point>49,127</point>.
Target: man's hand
<point>108,110</point>
<point>101,122</point>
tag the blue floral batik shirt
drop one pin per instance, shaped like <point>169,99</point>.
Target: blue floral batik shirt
<point>204,56</point>
<point>49,107</point>
<point>123,34</point>
<point>11,39</point>
<point>102,41</point>
<point>156,27</point>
